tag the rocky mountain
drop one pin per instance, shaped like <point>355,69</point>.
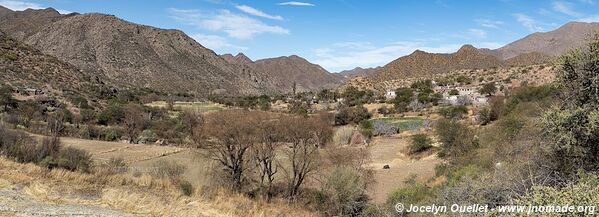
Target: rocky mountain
<point>358,71</point>
<point>125,52</point>
<point>282,72</point>
<point>527,59</point>
<point>24,67</point>
<point>552,43</point>
<point>421,63</point>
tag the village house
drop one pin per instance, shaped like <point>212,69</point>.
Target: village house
<point>390,94</point>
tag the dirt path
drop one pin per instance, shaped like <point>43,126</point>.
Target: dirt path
<point>387,151</point>
<point>15,201</point>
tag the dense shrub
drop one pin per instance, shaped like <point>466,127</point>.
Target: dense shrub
<point>530,94</point>
<point>484,116</point>
<point>582,192</point>
<point>453,111</point>
<point>412,193</point>
<point>347,189</point>
<point>74,159</point>
<point>113,114</point>
<point>382,128</point>
<point>352,115</point>
<point>343,135</point>
<point>167,169</point>
<point>456,139</point>
<point>114,165</point>
<point>420,143</point>
<point>186,188</point>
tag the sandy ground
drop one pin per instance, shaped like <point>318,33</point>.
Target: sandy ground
<point>388,151</point>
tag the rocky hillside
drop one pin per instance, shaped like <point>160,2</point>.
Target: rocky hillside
<point>527,59</point>
<point>23,67</point>
<point>552,43</point>
<point>282,72</point>
<point>125,52</point>
<point>420,63</point>
<point>358,72</point>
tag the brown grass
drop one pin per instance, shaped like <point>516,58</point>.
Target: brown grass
<point>136,195</point>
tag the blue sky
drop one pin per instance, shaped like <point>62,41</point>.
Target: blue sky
<point>339,34</point>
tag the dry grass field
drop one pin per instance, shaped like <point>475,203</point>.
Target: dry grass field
<point>29,190</point>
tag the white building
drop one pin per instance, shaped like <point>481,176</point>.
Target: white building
<point>390,94</point>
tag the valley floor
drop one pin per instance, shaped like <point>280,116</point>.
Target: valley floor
<point>383,150</point>
<point>390,151</point>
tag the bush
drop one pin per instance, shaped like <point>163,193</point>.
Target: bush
<point>384,110</point>
<point>453,112</point>
<point>420,143</point>
<point>484,116</point>
<point>343,135</point>
<point>456,139</point>
<point>583,192</point>
<point>412,193</point>
<point>167,169</point>
<point>347,188</point>
<point>111,134</point>
<point>74,159</point>
<point>113,166</point>
<point>114,114</point>
<point>186,188</point>
<point>352,115</point>
<point>384,128</point>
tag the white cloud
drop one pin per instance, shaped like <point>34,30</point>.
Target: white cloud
<point>215,42</point>
<point>477,33</point>
<point>526,21</point>
<point>354,45</point>
<point>256,12</point>
<point>235,25</point>
<point>24,5</point>
<point>565,8</point>
<point>19,5</point>
<point>297,3</point>
<point>335,58</point>
<point>489,23</point>
<point>339,59</point>
<point>590,19</point>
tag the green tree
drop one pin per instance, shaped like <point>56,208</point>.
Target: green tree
<point>573,126</point>
<point>6,99</point>
<point>488,89</point>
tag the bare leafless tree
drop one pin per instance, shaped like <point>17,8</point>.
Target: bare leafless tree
<point>228,137</point>
<point>135,121</point>
<point>305,135</point>
<point>264,152</point>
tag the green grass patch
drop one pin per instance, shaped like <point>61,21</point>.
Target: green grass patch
<point>404,123</point>
<point>195,106</point>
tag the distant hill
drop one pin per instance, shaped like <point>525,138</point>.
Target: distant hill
<point>537,48</point>
<point>357,72</point>
<point>421,63</point>
<point>552,43</point>
<point>144,56</point>
<point>139,55</point>
<point>282,72</point>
